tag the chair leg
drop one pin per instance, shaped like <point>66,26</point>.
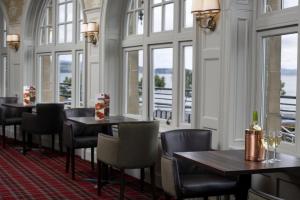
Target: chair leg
<point>3,136</point>
<point>122,186</point>
<point>142,179</point>
<point>152,175</point>
<point>15,133</point>
<point>68,160</point>
<point>53,140</point>
<point>99,185</point>
<point>60,143</point>
<point>73,163</point>
<point>24,142</point>
<point>92,159</point>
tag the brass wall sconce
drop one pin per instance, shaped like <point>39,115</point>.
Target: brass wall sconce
<point>90,31</point>
<point>206,12</point>
<point>13,41</point>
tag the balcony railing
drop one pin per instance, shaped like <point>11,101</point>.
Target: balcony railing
<point>288,118</point>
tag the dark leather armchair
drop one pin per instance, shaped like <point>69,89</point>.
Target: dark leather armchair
<point>9,116</point>
<point>183,179</point>
<point>136,147</point>
<point>46,121</point>
<point>76,136</point>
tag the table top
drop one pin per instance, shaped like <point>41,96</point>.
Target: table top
<point>232,162</point>
<point>111,120</point>
<point>17,105</point>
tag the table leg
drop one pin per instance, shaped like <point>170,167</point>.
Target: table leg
<point>244,184</point>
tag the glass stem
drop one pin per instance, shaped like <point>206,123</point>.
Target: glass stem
<point>274,153</point>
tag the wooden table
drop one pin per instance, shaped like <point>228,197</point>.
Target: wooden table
<point>232,163</point>
<point>19,106</point>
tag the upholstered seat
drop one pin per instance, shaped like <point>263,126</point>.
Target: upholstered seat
<point>85,141</point>
<point>184,179</point>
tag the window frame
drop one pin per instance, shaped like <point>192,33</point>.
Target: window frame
<point>262,83</point>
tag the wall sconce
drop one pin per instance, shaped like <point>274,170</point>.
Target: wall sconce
<point>206,12</point>
<point>13,41</point>
<point>90,31</point>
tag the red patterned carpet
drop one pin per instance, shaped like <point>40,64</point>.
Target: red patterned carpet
<point>42,176</point>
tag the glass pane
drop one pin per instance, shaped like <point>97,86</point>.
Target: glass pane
<point>46,79</point>
<point>162,80</point>
<point>62,13</point>
<point>61,33</point>
<point>61,1</point>
<point>3,73</point>
<point>49,16</point>
<point>188,16</point>
<point>188,83</point>
<point>69,33</point>
<point>169,17</point>
<point>140,22</point>
<point>140,3</point>
<point>81,80</point>
<point>131,24</point>
<point>50,35</point>
<point>281,69</point>
<point>65,79</point>
<point>69,12</point>
<point>157,1</point>
<point>42,36</point>
<point>131,5</point>
<point>157,19</point>
<point>273,5</point>
<point>135,82</point>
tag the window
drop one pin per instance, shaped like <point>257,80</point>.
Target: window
<point>162,15</point>
<point>61,67</point>
<point>3,75</point>
<point>280,58</point>
<point>46,81</point>
<point>273,5</point>
<point>158,70</point>
<point>135,16</point>
<point>134,82</point>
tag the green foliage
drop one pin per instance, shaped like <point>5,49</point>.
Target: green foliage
<point>188,79</point>
<point>65,88</point>
<point>159,82</point>
<point>282,91</point>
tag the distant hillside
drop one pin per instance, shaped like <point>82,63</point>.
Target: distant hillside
<point>289,72</point>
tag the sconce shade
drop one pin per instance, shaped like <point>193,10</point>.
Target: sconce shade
<point>12,38</point>
<point>84,28</point>
<point>92,27</point>
<point>205,6</point>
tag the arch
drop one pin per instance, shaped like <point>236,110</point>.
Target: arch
<point>111,52</point>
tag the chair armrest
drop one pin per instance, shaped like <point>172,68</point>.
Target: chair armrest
<point>108,149</point>
<point>170,175</point>
<point>257,195</point>
<point>29,122</point>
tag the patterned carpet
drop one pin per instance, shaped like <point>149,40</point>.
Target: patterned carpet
<point>42,176</point>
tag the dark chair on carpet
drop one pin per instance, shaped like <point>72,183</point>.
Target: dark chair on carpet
<point>46,121</point>
<point>183,179</point>
<point>136,147</point>
<point>9,116</point>
<point>76,136</point>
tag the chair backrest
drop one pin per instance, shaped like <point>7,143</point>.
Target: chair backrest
<point>185,140</point>
<point>7,112</point>
<point>79,112</point>
<point>138,145</point>
<point>49,116</point>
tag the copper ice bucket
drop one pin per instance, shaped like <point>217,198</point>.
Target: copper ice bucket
<point>254,149</point>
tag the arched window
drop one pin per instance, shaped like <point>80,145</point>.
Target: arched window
<point>3,56</point>
<point>60,54</point>
<point>158,61</point>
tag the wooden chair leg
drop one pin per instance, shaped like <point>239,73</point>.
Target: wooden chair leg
<point>3,136</point>
<point>92,159</point>
<point>122,186</point>
<point>142,179</point>
<point>53,142</point>
<point>15,133</point>
<point>73,163</point>
<point>24,142</point>
<point>99,179</point>
<point>152,175</point>
<point>68,160</point>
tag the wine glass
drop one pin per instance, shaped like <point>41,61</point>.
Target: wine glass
<point>276,140</point>
<point>266,145</point>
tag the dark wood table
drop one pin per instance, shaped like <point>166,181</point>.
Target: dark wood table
<point>19,106</point>
<point>232,163</point>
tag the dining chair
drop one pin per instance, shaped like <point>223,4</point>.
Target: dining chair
<point>183,179</point>
<point>257,195</point>
<point>136,147</point>
<point>76,136</point>
<point>9,117</point>
<point>46,121</point>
